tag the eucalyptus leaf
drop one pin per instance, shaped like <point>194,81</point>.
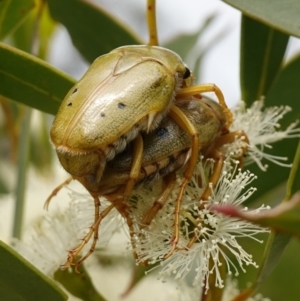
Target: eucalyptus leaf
<point>79,285</point>
<point>24,35</point>
<point>262,52</point>
<point>191,51</point>
<point>13,13</point>
<point>31,81</point>
<point>284,91</point>
<point>139,273</point>
<point>185,42</point>
<point>41,152</point>
<point>278,14</point>
<point>293,183</point>
<point>93,31</point>
<point>20,280</point>
<point>285,218</point>
<point>276,245</point>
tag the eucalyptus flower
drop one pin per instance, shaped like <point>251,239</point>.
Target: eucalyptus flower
<point>214,235</point>
<point>50,238</point>
<point>262,129</point>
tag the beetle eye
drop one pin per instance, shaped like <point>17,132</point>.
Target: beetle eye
<point>187,73</point>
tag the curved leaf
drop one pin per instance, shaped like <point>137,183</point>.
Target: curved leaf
<point>284,91</point>
<point>13,13</point>
<point>183,43</point>
<point>22,37</point>
<point>287,219</point>
<point>93,31</point>
<point>79,285</point>
<point>262,51</point>
<point>293,183</point>
<point>275,247</point>
<point>281,15</point>
<point>19,280</point>
<point>284,219</point>
<point>32,81</point>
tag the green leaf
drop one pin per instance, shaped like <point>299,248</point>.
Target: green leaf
<point>13,13</point>
<point>262,51</point>
<point>275,247</point>
<point>284,91</point>
<point>47,28</point>
<point>293,183</point>
<point>93,31</point>
<point>281,15</point>
<point>32,81</point>
<point>79,285</point>
<point>23,36</point>
<point>283,283</point>
<point>286,217</point>
<point>19,280</point>
<point>191,51</point>
<point>185,42</point>
<point>139,273</point>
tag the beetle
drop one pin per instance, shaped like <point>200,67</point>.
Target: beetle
<point>166,149</point>
<point>123,93</point>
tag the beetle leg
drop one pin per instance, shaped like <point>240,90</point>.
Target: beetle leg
<point>169,181</point>
<point>138,147</point>
<point>125,212</point>
<point>56,190</point>
<point>151,19</point>
<point>181,119</point>
<point>219,159</point>
<point>93,230</point>
<point>194,90</point>
<point>213,181</point>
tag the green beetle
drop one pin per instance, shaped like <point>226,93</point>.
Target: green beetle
<point>124,92</point>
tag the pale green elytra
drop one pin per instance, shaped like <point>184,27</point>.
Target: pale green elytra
<point>123,92</point>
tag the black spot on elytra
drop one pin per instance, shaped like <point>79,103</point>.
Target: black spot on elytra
<point>102,114</point>
<point>74,91</point>
<point>162,132</point>
<point>69,104</point>
<point>121,105</point>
